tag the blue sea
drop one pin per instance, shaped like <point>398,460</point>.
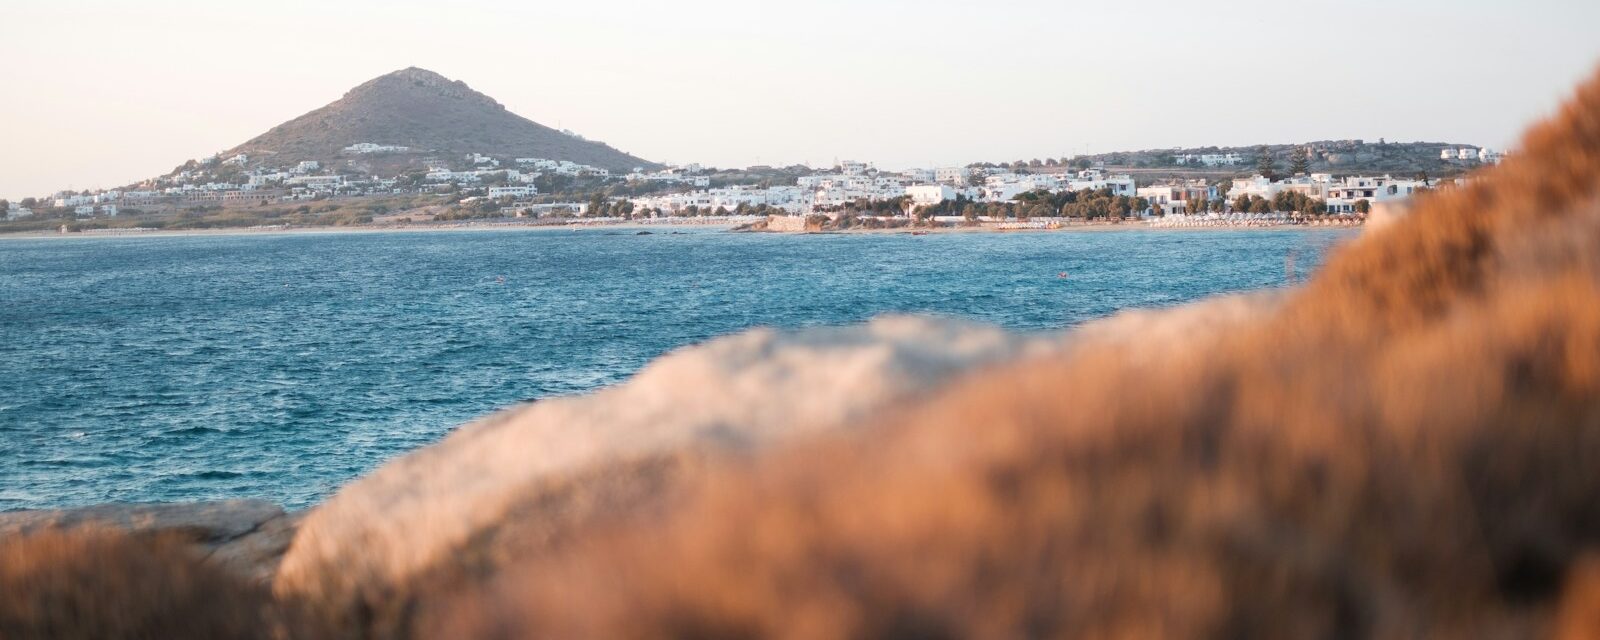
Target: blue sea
<point>282,366</point>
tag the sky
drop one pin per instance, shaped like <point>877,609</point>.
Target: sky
<point>100,93</point>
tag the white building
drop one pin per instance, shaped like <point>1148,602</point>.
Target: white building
<point>1095,180</point>
<point>1209,159</point>
<point>238,160</point>
<point>669,176</point>
<point>1467,153</point>
<point>1315,185</point>
<point>369,147</point>
<point>307,166</point>
<point>1006,186</point>
<point>15,211</point>
<point>316,182</point>
<point>512,192</point>
<point>957,176</point>
<point>1345,193</point>
<point>1177,198</point>
<point>263,179</point>
<point>930,194</point>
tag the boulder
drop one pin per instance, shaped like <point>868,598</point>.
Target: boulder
<point>244,536</point>
<point>569,458</point>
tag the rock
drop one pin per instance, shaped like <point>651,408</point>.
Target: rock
<point>732,395</point>
<point>203,522</point>
<point>245,536</point>
<point>256,554</point>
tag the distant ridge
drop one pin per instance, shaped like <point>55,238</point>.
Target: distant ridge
<point>432,115</point>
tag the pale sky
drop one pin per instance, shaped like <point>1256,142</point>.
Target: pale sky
<point>101,93</point>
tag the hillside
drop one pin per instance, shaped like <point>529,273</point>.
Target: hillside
<point>433,116</point>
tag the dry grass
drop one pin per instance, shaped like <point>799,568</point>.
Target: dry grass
<point>1407,448</point>
<point>99,584</point>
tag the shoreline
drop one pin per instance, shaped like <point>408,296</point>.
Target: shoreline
<point>646,226</point>
<point>413,228</point>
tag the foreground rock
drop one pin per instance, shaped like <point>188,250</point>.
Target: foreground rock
<point>569,460</point>
<point>248,537</point>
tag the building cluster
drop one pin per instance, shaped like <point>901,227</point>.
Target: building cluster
<point>672,175</point>
<point>1471,155</point>
<point>510,183</point>
<point>852,182</point>
<point>362,148</point>
<point>16,211</point>
<point>1177,197</point>
<point>1208,159</point>
<point>1342,195</point>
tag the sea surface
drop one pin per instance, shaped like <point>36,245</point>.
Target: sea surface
<point>282,366</point>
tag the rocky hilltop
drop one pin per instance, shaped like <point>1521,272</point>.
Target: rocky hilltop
<point>431,115</point>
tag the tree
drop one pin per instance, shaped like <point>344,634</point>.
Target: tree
<point>1266,163</point>
<point>1299,162</point>
<point>1362,206</point>
<point>1283,201</point>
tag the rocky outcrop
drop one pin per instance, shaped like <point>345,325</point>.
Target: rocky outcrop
<point>248,537</point>
<point>730,396</point>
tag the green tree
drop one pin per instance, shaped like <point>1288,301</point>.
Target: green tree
<point>1266,163</point>
<point>1283,201</point>
<point>1300,162</point>
<point>1362,206</point>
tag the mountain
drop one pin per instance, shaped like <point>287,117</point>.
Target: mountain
<point>433,116</point>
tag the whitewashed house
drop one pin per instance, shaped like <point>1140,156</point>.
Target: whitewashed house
<point>930,194</point>
<point>512,192</point>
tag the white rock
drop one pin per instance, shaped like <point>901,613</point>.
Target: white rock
<point>736,393</point>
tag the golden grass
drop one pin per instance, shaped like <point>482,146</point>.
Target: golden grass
<point>96,584</point>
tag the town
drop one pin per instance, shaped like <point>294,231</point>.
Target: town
<point>243,191</point>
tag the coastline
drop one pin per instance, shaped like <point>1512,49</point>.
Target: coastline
<point>374,228</point>
<point>647,226</point>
